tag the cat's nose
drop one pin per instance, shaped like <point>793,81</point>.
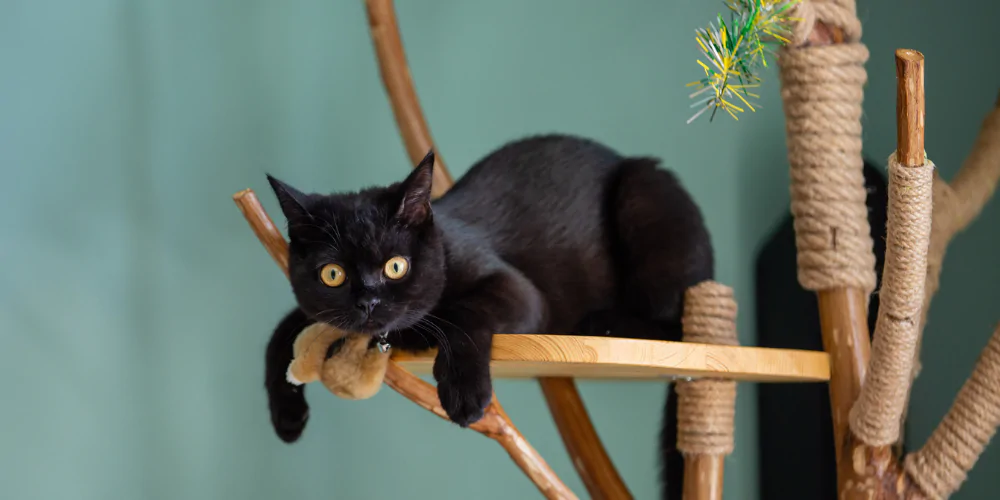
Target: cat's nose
<point>367,304</point>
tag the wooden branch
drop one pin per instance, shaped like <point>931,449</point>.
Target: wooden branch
<point>875,417</point>
<point>975,183</point>
<point>582,442</point>
<point>842,314</point>
<point>864,470</point>
<point>495,424</point>
<point>910,104</point>
<point>843,321</point>
<point>703,477</point>
<point>844,326</point>
<point>399,89</point>
<point>823,34</point>
<point>263,227</point>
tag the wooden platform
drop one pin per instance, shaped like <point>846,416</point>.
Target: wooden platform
<point>534,356</point>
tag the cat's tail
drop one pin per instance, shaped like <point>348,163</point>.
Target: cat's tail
<point>671,460</point>
<point>287,402</point>
<point>664,247</point>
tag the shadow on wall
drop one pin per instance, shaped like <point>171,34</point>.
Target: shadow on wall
<point>796,452</point>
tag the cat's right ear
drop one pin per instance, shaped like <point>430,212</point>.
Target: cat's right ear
<point>415,205</point>
<point>292,200</point>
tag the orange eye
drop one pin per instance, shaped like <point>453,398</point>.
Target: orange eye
<point>332,275</point>
<point>396,267</point>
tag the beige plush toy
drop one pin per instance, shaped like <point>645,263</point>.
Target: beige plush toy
<point>342,361</point>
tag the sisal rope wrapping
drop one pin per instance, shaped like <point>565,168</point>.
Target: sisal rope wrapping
<point>875,415</point>
<point>822,92</point>
<point>706,409</point>
<point>939,468</point>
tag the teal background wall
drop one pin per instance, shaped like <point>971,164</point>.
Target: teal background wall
<point>135,303</point>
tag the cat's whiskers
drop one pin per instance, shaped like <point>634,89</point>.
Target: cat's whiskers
<point>435,331</point>
<point>418,323</point>
<point>456,327</point>
<point>417,328</point>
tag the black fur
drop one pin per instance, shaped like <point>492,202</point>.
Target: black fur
<point>552,234</point>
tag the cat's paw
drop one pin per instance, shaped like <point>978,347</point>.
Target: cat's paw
<point>289,414</point>
<point>465,399</point>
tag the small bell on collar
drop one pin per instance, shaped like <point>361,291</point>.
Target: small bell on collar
<point>383,343</point>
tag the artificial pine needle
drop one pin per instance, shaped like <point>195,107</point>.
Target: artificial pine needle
<point>734,52</point>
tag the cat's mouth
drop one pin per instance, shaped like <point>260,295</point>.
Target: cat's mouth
<point>371,326</point>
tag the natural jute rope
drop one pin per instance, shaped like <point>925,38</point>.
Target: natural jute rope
<point>939,467</point>
<point>706,408</point>
<point>822,91</point>
<point>875,415</point>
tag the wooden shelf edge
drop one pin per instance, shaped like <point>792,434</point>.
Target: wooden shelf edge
<point>535,356</point>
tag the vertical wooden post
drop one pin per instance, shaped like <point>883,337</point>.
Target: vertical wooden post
<point>866,471</point>
<point>703,477</point>
<point>843,316</point>
<point>910,105</point>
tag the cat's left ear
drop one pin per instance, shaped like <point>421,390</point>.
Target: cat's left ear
<point>292,200</point>
<point>415,206</point>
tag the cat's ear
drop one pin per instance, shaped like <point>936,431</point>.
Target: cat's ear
<point>415,205</point>
<point>292,200</point>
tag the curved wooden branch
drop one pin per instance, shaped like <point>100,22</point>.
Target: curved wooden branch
<point>495,424</point>
<point>263,227</point>
<point>399,89</point>
<point>582,442</point>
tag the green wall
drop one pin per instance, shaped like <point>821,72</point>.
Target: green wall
<point>135,303</point>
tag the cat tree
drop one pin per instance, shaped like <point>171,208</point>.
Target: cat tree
<point>822,76</point>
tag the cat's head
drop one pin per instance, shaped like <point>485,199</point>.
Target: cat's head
<point>370,261</point>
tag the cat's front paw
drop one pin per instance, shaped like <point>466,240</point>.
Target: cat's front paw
<point>289,414</point>
<point>465,399</point>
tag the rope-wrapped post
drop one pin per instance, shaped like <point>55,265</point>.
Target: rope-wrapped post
<point>940,467</point>
<point>706,408</point>
<point>822,76</point>
<point>875,418</point>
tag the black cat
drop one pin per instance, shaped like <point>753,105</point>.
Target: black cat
<point>549,234</point>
